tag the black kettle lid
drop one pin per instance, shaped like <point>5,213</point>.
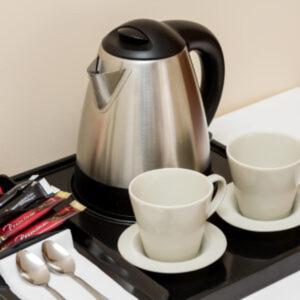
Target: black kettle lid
<point>143,39</point>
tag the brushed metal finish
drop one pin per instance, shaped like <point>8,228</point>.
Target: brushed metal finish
<point>106,85</point>
<point>155,120</point>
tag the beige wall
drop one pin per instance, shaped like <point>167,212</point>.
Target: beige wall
<point>45,47</point>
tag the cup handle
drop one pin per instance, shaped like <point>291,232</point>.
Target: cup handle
<point>221,189</point>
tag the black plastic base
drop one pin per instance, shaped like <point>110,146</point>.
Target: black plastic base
<point>106,200</point>
<point>110,202</point>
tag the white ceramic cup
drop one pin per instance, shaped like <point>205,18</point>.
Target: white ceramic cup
<point>265,168</point>
<point>171,207</point>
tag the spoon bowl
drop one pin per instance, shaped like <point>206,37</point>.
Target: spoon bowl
<point>60,261</point>
<point>32,268</point>
<point>58,258</point>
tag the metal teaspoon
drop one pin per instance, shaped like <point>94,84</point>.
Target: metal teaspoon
<point>60,261</point>
<point>35,271</point>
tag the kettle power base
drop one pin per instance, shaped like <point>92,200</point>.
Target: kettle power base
<point>108,202</point>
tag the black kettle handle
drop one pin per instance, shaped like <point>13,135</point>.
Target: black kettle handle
<point>201,40</point>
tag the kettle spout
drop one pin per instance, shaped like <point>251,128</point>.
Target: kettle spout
<point>106,85</point>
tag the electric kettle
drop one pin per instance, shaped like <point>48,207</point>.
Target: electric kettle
<point>143,108</point>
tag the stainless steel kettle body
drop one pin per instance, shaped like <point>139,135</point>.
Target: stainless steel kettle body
<point>146,113</point>
<point>155,119</point>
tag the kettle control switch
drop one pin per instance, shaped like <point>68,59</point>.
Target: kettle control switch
<point>132,35</point>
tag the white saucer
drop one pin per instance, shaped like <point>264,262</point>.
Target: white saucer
<point>213,246</point>
<point>229,212</point>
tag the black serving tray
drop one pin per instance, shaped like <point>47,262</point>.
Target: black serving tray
<point>251,261</point>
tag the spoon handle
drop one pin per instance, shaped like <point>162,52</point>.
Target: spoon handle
<point>55,293</point>
<point>89,288</point>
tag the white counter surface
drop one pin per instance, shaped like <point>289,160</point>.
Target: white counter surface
<point>278,113</point>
